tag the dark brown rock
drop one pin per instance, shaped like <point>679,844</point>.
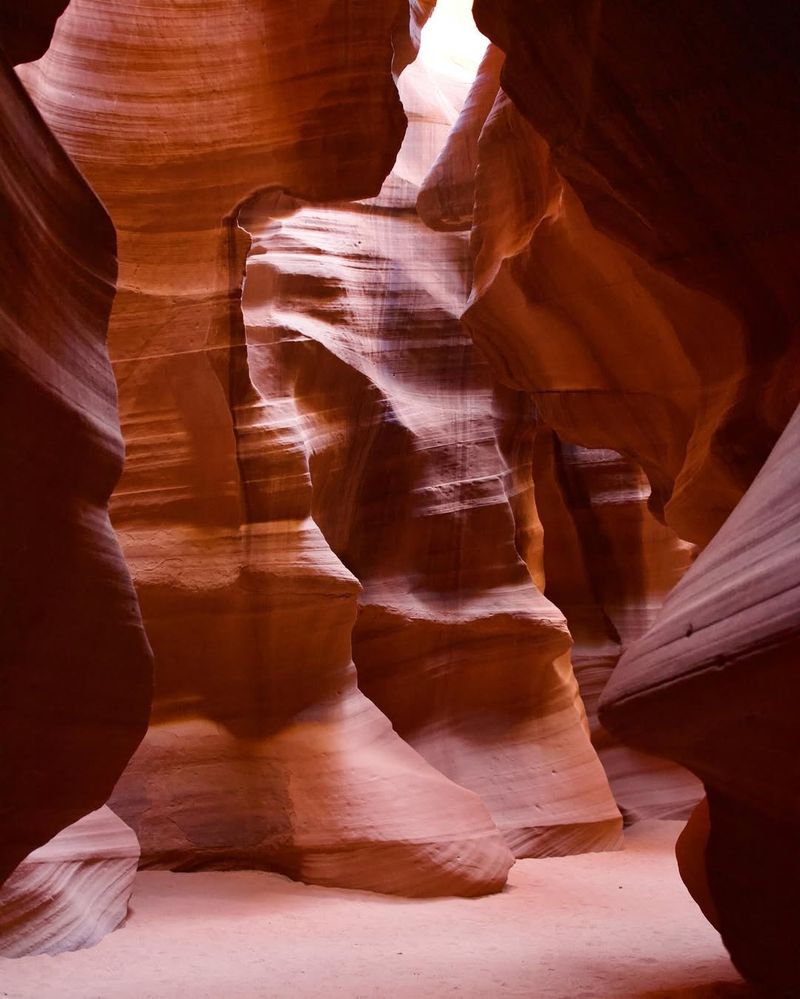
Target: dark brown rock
<point>75,663</point>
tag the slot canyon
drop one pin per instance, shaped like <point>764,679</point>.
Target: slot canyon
<point>401,500</point>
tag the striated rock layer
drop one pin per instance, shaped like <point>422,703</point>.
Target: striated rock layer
<point>262,749</point>
<point>75,663</point>
<point>72,891</point>
<point>635,212</point>
<point>608,566</point>
<point>701,687</point>
<point>607,561</point>
<point>420,467</point>
<point>651,235</point>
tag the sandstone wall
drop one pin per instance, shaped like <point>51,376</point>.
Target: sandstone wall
<point>75,663</point>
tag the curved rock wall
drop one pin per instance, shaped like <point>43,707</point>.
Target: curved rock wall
<point>75,666</point>
<point>608,562</point>
<point>340,486</point>
<point>608,566</point>
<point>282,485</point>
<point>714,684</point>
<point>421,473</point>
<point>635,208</point>
<point>666,311</point>
<point>262,749</point>
<point>71,892</point>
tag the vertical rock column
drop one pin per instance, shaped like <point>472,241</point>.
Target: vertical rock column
<point>420,465</point>
<point>75,666</point>
<point>262,751</point>
<point>609,564</point>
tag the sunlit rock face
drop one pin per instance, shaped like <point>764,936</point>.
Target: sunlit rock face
<point>262,749</point>
<point>421,482</point>
<point>608,562</point>
<point>75,666</point>
<point>338,477</point>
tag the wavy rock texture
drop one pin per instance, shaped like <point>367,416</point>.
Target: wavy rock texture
<point>565,312</point>
<point>75,672</point>
<point>263,751</point>
<point>608,561</point>
<point>635,208</point>
<point>713,683</point>
<point>422,485</point>
<point>72,891</point>
<point>675,312</point>
<point>609,564</point>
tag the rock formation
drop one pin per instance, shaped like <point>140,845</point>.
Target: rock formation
<point>647,246</point>
<point>366,539</point>
<point>259,750</point>
<point>635,207</point>
<point>608,562</point>
<point>74,661</point>
<point>608,565</point>
<point>420,467</point>
<point>713,685</point>
<point>71,892</point>
<point>262,751</point>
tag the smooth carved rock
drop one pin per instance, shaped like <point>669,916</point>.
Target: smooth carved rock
<point>678,129</point>
<point>534,346</point>
<point>75,663</point>
<point>447,194</point>
<point>262,750</point>
<point>608,565</point>
<point>72,891</point>
<point>713,685</point>
<point>422,485</point>
<point>598,335</point>
<point>635,281</point>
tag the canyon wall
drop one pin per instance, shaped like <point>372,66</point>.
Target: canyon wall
<point>76,666</point>
<point>608,560</point>
<point>72,891</point>
<point>648,245</point>
<point>263,751</point>
<point>714,684</point>
<point>420,467</point>
<point>635,213</point>
<point>608,565</point>
<point>292,498</point>
<point>367,540</point>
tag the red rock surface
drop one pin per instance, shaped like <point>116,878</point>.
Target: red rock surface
<point>678,129</point>
<point>608,565</point>
<point>262,751</point>
<point>72,891</point>
<point>421,483</point>
<point>340,484</point>
<point>608,562</point>
<point>636,206</point>
<point>75,664</point>
<point>700,687</point>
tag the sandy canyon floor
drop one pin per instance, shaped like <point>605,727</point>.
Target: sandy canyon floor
<point>601,926</point>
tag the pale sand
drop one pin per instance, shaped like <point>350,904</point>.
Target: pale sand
<point>604,926</point>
